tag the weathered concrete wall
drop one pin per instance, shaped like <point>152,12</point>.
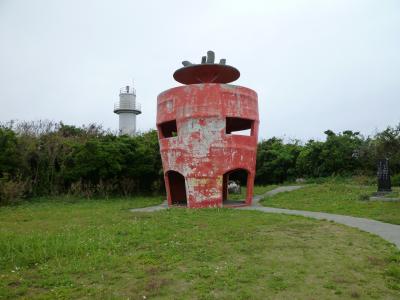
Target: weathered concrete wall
<point>202,151</point>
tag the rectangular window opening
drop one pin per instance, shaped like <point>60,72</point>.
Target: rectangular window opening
<point>239,126</point>
<point>168,129</point>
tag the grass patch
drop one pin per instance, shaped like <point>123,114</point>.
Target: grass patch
<point>394,194</point>
<point>258,190</point>
<point>338,198</point>
<point>101,250</point>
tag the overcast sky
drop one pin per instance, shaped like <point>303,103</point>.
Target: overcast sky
<point>315,65</point>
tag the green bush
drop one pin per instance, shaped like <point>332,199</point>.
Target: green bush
<point>396,180</point>
<point>276,161</point>
<point>87,161</point>
<point>12,192</point>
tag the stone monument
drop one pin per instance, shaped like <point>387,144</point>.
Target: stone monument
<point>383,174</point>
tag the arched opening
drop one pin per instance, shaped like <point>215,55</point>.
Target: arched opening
<point>177,188</point>
<point>235,187</point>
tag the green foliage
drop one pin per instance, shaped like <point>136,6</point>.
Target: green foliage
<point>387,145</point>
<point>45,158</point>
<point>396,180</point>
<point>9,160</point>
<point>309,162</point>
<point>276,161</point>
<point>341,154</point>
<point>338,155</point>
<point>11,191</point>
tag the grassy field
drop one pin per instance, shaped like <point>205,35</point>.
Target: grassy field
<point>338,198</point>
<point>101,250</point>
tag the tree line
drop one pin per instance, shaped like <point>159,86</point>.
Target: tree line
<point>346,153</point>
<point>46,158</point>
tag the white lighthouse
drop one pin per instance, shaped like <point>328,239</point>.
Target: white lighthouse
<point>127,109</point>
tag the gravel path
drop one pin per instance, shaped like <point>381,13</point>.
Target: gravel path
<point>389,232</point>
<point>281,189</point>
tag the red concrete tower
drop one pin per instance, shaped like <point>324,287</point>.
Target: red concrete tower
<point>208,132</point>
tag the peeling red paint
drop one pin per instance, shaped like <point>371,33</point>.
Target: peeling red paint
<point>202,151</point>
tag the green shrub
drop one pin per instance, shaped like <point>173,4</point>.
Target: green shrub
<point>396,180</point>
<point>12,192</point>
<point>364,197</point>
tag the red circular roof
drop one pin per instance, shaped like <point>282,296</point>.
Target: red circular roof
<point>206,73</point>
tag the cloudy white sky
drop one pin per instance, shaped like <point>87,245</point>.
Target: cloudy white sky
<point>316,65</point>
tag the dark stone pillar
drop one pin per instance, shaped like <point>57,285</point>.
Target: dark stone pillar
<point>384,184</point>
